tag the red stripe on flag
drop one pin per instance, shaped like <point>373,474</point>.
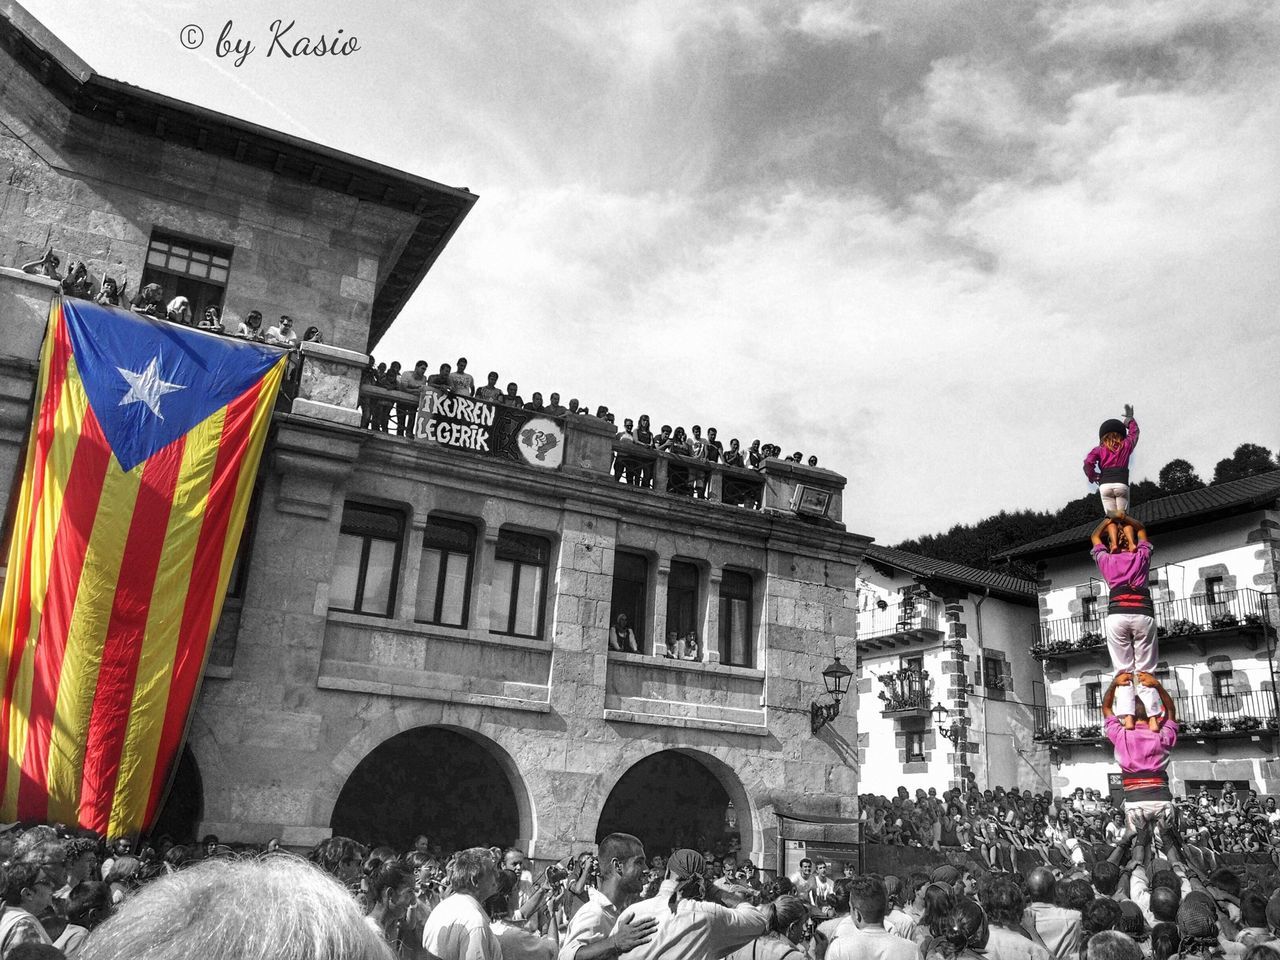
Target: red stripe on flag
<point>197,614</point>
<point>79,508</point>
<point>44,426</point>
<point>113,697</point>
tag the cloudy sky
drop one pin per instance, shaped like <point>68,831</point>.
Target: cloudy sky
<point>934,243</point>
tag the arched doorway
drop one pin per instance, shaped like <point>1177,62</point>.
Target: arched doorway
<point>183,808</point>
<point>430,780</point>
<point>673,799</point>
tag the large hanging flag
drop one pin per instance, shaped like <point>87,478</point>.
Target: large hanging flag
<point>144,445</point>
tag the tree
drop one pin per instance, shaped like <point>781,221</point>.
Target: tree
<point>1248,460</point>
<point>1179,476</point>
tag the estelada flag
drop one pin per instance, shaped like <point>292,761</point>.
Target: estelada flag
<point>144,445</point>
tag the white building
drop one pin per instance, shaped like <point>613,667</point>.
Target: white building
<point>1213,580</point>
<point>934,634</point>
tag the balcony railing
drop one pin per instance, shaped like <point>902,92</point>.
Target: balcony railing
<point>909,616</point>
<point>1237,715</point>
<point>1244,610</point>
<point>651,469</point>
<point>906,693</point>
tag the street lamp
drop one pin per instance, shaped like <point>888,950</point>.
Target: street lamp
<point>836,676</point>
<point>954,732</point>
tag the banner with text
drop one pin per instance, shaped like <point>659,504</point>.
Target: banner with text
<point>491,429</point>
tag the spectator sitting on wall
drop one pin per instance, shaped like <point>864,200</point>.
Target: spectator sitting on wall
<point>109,295</point>
<point>211,321</point>
<point>512,397</point>
<point>622,637</point>
<point>250,327</point>
<point>460,381</point>
<point>535,405</point>
<point>555,408</point>
<point>490,391</point>
<point>691,651</point>
<point>442,380</point>
<point>149,302</point>
<point>179,311</point>
<point>283,334</point>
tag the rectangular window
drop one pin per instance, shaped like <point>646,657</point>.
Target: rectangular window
<point>1088,609</point>
<point>1093,695</point>
<point>682,600</point>
<point>1224,684</point>
<point>630,590</point>
<point>444,579</point>
<point>915,664</point>
<point>519,585</point>
<point>1213,590</point>
<point>915,747</point>
<point>367,563</point>
<point>993,673</point>
<point>194,269</point>
<point>736,642</point>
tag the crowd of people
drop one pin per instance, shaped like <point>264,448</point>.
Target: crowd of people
<point>389,415</point>
<point>1141,895</point>
<point>999,825</point>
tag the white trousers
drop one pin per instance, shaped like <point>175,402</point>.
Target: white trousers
<point>1115,496</point>
<point>1139,812</point>
<point>1131,641</point>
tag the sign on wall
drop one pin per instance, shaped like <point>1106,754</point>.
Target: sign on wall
<point>491,429</point>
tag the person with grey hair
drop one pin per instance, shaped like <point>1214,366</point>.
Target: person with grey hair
<point>1112,945</point>
<point>274,908</point>
<point>458,928</point>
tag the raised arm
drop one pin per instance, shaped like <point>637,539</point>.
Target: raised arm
<point>1121,679</point>
<point>1096,537</point>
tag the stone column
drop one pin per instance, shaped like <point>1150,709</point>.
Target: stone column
<point>661,574</point>
<point>329,388</point>
<point>711,622</point>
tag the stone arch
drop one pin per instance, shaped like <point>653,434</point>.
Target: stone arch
<point>465,722</point>
<point>749,829</point>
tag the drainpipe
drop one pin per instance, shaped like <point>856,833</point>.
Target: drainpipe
<point>986,726</point>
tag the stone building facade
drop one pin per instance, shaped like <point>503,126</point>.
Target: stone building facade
<point>1213,581</point>
<point>392,591</point>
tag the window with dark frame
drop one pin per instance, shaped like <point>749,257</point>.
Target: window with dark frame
<point>367,563</point>
<point>993,673</point>
<point>1089,609</point>
<point>1213,590</point>
<point>630,592</point>
<point>915,746</point>
<point>737,648</point>
<point>1224,683</point>
<point>1093,695</point>
<point>444,577</point>
<point>183,267</point>
<point>519,586</point>
<point>682,599</point>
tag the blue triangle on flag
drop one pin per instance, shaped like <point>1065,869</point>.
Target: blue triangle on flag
<point>150,381</point>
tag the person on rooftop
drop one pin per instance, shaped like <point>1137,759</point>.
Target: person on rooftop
<point>490,390</point>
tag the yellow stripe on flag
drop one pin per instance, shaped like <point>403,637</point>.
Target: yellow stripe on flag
<point>86,637</point>
<point>164,623</point>
<point>67,421</point>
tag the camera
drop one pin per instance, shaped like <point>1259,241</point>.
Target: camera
<point>557,873</point>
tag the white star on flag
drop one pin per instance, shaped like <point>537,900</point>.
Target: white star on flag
<point>147,387</point>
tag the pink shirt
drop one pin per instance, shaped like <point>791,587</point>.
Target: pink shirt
<point>1140,750</point>
<point>1123,566</point>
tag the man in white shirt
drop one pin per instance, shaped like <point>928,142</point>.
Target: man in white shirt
<point>823,885</point>
<point>458,928</point>
<point>283,334</point>
<point>869,939</point>
<point>803,880</point>
<point>591,934</point>
<point>1058,928</point>
<point>689,927</point>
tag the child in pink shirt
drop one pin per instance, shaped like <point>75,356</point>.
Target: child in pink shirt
<point>1107,464</point>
